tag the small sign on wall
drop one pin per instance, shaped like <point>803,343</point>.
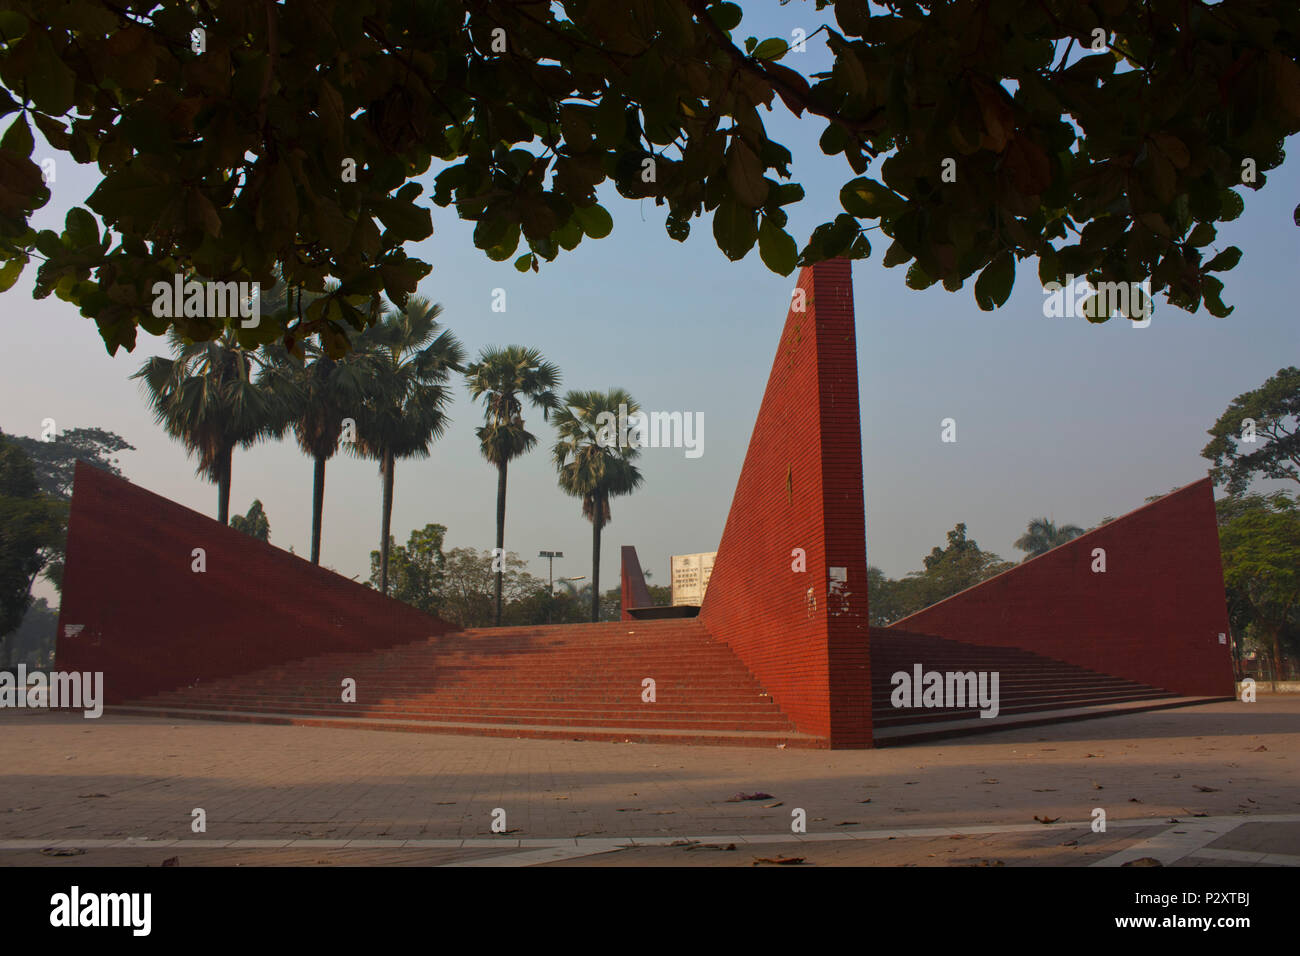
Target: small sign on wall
<point>691,573</point>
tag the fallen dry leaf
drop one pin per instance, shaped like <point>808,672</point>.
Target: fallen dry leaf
<point>172,861</point>
<point>778,860</point>
<point>1205,789</point>
<point>760,795</point>
<point>769,806</point>
<point>1046,819</point>
<point>1143,861</point>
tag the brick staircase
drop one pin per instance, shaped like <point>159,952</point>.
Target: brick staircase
<point>564,681</point>
<point>1032,689</point>
<point>583,682</point>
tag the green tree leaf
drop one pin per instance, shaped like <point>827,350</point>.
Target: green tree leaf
<point>734,228</point>
<point>771,49</point>
<point>776,248</point>
<point>81,228</point>
<point>1224,261</point>
<point>745,174</point>
<point>868,199</point>
<point>994,284</point>
<point>18,137</point>
<point>596,222</point>
<point>726,15</point>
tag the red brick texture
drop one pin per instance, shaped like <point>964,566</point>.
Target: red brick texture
<point>801,488</point>
<point>635,592</point>
<point>151,623</point>
<point>1154,615</point>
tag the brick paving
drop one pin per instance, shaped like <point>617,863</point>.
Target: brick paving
<point>109,786</point>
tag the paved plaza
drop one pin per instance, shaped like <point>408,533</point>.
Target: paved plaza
<point>1211,785</point>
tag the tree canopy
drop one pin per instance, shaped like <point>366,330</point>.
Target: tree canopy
<point>55,462</point>
<point>1103,138</point>
<point>31,530</point>
<point>416,569</point>
<point>1260,540</point>
<point>1258,436</point>
<point>255,524</point>
<point>1042,535</point>
<point>960,565</point>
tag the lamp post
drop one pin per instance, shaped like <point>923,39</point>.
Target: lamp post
<point>550,579</point>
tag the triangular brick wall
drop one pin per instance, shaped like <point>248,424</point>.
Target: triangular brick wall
<point>134,608</point>
<point>1154,615</point>
<point>635,593</point>
<point>801,488</point>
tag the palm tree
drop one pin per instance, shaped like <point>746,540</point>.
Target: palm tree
<point>206,397</point>
<point>593,468</point>
<point>320,392</point>
<point>503,377</point>
<point>405,362</point>
<point>1043,535</point>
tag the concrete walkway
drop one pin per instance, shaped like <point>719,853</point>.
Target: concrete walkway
<point>1213,785</point>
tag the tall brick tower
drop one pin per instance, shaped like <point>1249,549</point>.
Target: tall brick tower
<point>789,585</point>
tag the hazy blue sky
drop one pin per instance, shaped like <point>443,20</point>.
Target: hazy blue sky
<point>1055,417</point>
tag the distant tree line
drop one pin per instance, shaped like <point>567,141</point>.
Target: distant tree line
<point>959,565</point>
<point>460,585</point>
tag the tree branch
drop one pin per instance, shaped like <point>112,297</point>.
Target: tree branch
<point>789,92</point>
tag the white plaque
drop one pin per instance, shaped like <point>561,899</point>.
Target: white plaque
<point>691,573</point>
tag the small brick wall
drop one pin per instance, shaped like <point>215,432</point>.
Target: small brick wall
<point>1154,615</point>
<point>150,623</point>
<point>635,593</point>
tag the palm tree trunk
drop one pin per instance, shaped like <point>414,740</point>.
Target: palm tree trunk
<point>317,507</point>
<point>387,521</point>
<point>501,531</point>
<point>223,485</point>
<point>595,567</point>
